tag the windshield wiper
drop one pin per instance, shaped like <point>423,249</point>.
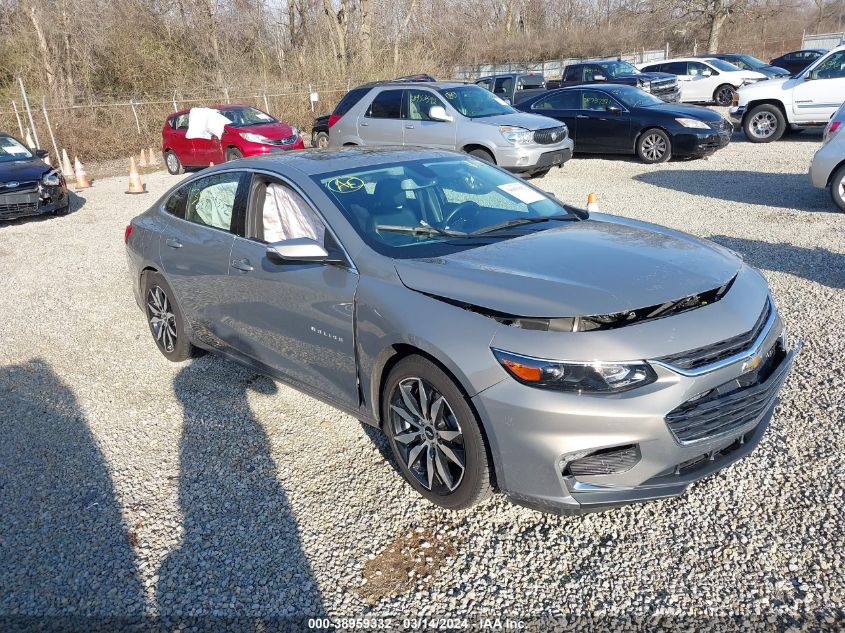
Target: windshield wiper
<point>521,221</point>
<point>421,229</point>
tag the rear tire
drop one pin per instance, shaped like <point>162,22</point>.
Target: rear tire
<point>233,153</point>
<point>837,188</point>
<point>654,146</point>
<point>724,95</point>
<point>482,154</point>
<point>435,435</point>
<point>167,325</point>
<point>764,124</point>
<point>173,164</point>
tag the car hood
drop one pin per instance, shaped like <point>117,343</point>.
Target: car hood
<point>747,74</point>
<point>273,131</point>
<point>646,76</point>
<point>689,111</point>
<point>579,269</point>
<point>519,119</point>
<point>23,170</point>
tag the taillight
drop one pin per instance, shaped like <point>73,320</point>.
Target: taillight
<point>830,130</point>
<point>334,118</point>
<point>127,233</point>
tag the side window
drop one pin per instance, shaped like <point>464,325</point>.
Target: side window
<point>654,68</point>
<point>484,83</point>
<point>350,99</point>
<point>211,200</point>
<point>739,64</point>
<point>594,100</point>
<point>504,86</point>
<point>573,73</point>
<point>419,103</point>
<point>675,68</point>
<point>285,215</point>
<point>175,204</point>
<point>179,122</point>
<point>831,68</point>
<point>566,100</point>
<point>386,105</point>
<point>591,72</point>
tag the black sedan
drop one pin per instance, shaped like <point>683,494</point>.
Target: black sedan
<point>796,61</point>
<point>28,185</point>
<point>617,119</point>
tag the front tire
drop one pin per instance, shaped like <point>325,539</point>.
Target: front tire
<point>482,154</point>
<point>764,124</point>
<point>321,140</point>
<point>167,325</point>
<point>837,188</point>
<point>174,165</point>
<point>435,435</point>
<point>654,146</point>
<point>724,95</point>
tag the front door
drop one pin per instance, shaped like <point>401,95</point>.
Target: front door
<point>296,318</point>
<point>703,81</point>
<point>820,92</point>
<point>420,128</point>
<point>196,245</point>
<point>381,123</point>
<point>598,129</point>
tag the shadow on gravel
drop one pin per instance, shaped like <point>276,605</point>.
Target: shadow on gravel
<point>240,556</point>
<point>65,557</point>
<point>786,191</point>
<point>814,264</point>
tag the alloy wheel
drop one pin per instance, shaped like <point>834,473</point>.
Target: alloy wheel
<point>763,124</point>
<point>725,96</point>
<point>162,319</point>
<point>654,147</point>
<point>322,141</point>
<point>428,435</point>
<point>172,162</point>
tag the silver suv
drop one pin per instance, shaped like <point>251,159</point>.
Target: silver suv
<point>450,115</point>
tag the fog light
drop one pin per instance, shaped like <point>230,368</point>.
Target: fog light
<point>522,160</point>
<point>607,461</point>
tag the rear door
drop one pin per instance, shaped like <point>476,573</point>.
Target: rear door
<point>381,123</point>
<point>503,88</point>
<point>598,129</point>
<point>196,244</point>
<point>420,128</point>
<point>296,318</point>
<point>564,107</point>
<point>174,138</point>
<point>684,79</point>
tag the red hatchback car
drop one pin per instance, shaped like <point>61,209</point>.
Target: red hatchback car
<point>250,133</point>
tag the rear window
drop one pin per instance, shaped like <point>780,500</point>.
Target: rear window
<point>350,99</point>
<point>179,122</point>
<point>527,82</point>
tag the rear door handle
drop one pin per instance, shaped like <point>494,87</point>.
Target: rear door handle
<point>242,264</point>
<point>173,242</point>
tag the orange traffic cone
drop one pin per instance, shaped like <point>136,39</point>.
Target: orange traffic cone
<point>152,157</point>
<point>29,142</point>
<point>82,181</point>
<point>592,202</point>
<point>143,161</point>
<point>67,170</point>
<point>135,184</point>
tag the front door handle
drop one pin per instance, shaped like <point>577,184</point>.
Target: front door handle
<point>409,127</point>
<point>173,242</point>
<point>242,264</point>
<point>581,116</point>
<point>363,124</point>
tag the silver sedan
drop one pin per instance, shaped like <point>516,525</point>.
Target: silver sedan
<point>499,337</point>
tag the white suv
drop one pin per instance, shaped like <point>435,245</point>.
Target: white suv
<point>705,79</point>
<point>765,110</point>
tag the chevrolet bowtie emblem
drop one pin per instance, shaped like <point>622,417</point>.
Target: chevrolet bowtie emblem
<point>752,363</point>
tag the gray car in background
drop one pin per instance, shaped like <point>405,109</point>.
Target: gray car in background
<point>456,116</point>
<point>500,338</point>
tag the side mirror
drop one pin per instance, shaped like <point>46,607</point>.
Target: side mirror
<point>41,153</point>
<point>707,73</point>
<point>599,78</point>
<point>614,109</point>
<point>300,249</point>
<point>438,113</point>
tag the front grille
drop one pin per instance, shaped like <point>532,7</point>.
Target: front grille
<point>21,187</point>
<point>290,140</point>
<point>609,461</point>
<point>708,354</point>
<point>550,135</point>
<point>732,405</point>
<point>11,211</point>
<point>663,86</point>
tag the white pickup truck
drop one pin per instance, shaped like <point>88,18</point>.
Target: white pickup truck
<point>765,109</point>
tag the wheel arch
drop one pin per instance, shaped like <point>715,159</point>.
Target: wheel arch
<point>646,128</point>
<point>833,171</point>
<point>468,147</point>
<point>758,102</point>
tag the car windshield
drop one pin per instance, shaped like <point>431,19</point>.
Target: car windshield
<point>753,62</point>
<point>437,206</point>
<point>617,68</point>
<point>244,117</point>
<point>475,102</point>
<point>634,97</point>
<point>721,64</point>
<point>11,150</point>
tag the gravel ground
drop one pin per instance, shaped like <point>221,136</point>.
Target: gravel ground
<point>134,488</point>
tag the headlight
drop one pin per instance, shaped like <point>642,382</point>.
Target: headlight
<point>576,377</point>
<point>695,123</point>
<point>51,178</point>
<point>254,138</point>
<point>294,131</point>
<point>516,135</point>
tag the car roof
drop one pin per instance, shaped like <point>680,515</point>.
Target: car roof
<point>599,86</point>
<point>416,84</point>
<point>320,161</point>
<point>227,106</point>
